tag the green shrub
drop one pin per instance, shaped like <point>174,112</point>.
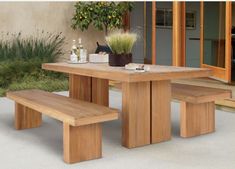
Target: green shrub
<point>21,60</point>
<point>102,15</point>
<point>46,47</point>
<point>17,70</point>
<point>2,91</point>
<point>46,84</point>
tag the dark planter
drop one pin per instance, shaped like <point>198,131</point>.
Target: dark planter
<point>119,59</point>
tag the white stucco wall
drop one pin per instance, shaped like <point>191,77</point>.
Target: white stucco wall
<point>28,17</point>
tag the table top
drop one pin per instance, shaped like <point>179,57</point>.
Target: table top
<point>104,71</point>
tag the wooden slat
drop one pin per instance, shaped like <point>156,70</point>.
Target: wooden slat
<point>74,112</point>
<point>103,71</point>
<point>198,94</point>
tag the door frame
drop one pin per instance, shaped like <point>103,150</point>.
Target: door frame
<point>154,33</point>
<point>222,74</point>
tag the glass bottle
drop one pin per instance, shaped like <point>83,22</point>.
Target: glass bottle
<point>79,49</point>
<point>74,48</point>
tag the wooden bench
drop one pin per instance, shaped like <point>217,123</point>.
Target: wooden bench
<point>82,135</point>
<point>197,108</point>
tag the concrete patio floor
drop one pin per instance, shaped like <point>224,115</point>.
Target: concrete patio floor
<point>41,148</point>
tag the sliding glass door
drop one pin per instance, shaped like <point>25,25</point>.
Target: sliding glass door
<point>216,38</point>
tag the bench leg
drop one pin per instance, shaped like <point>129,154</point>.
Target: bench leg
<point>197,119</point>
<point>82,142</point>
<point>26,118</point>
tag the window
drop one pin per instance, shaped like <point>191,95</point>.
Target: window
<point>164,18</point>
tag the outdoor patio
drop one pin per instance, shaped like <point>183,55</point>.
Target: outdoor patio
<point>41,147</point>
<point>117,85</point>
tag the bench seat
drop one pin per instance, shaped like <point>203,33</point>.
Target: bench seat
<point>82,134</point>
<point>197,107</point>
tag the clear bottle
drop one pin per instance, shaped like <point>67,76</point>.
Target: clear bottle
<point>79,49</point>
<point>73,57</point>
<point>74,48</point>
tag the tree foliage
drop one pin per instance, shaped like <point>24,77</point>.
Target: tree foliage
<point>103,15</point>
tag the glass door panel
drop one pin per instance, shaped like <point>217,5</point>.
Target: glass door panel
<point>215,38</point>
<point>214,34</point>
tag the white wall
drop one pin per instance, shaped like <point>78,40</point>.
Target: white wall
<point>28,17</point>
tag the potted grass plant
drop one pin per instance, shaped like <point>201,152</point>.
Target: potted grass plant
<point>121,45</point>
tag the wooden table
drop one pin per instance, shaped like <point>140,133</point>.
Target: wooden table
<point>146,97</point>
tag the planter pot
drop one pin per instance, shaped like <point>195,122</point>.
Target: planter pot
<point>119,59</point>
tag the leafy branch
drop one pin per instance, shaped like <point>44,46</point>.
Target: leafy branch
<point>102,15</point>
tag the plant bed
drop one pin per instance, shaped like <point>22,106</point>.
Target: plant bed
<point>21,59</point>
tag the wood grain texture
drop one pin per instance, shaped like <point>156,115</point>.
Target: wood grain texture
<point>26,118</point>
<point>153,34</point>
<point>89,89</point>
<point>100,91</point>
<point>135,114</point>
<point>197,119</point>
<point>198,94</point>
<point>177,34</point>
<point>80,87</point>
<point>201,32</point>
<point>183,33</point>
<point>218,72</point>
<point>72,111</point>
<point>228,37</point>
<point>160,113</point>
<point>82,143</point>
<point>103,71</point>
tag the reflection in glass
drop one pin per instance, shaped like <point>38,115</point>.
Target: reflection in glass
<point>168,19</point>
<point>214,34</point>
<point>160,17</point>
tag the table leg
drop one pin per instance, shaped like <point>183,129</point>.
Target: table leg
<point>136,114</point>
<point>89,89</point>
<point>160,115</point>
<point>80,87</point>
<point>100,91</point>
